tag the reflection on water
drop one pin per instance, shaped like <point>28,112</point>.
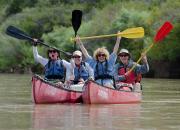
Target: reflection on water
<point>159,110</point>
<point>86,116</point>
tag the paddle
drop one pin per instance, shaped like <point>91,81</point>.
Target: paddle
<point>160,35</point>
<point>128,33</point>
<point>76,22</point>
<point>19,34</point>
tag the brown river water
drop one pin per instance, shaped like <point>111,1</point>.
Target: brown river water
<point>159,109</point>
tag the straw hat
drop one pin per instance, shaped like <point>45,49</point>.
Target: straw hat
<point>78,53</point>
<point>124,51</point>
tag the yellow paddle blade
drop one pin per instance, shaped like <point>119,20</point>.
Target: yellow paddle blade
<point>132,33</point>
<point>128,33</point>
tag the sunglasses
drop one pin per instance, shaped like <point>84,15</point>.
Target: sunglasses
<point>123,55</point>
<point>52,51</point>
<point>76,56</point>
<point>99,55</point>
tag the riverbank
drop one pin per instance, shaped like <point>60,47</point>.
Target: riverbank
<point>158,69</point>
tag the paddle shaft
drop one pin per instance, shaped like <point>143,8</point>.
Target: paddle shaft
<point>19,34</point>
<point>96,37</point>
<point>126,33</point>
<point>42,43</point>
<point>160,35</point>
<point>46,45</point>
<point>141,58</point>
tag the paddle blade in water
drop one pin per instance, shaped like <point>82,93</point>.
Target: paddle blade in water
<point>163,31</point>
<point>133,33</point>
<point>76,19</point>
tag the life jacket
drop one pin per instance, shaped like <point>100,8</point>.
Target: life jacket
<point>81,72</point>
<point>132,77</point>
<point>54,70</point>
<point>101,71</point>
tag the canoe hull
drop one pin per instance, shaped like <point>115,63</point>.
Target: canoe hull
<point>94,93</point>
<point>45,92</point>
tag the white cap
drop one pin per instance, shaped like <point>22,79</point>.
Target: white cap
<point>123,51</point>
<point>79,53</point>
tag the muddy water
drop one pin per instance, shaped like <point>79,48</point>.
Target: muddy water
<point>159,110</point>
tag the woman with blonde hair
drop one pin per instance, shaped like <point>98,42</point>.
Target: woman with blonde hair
<point>102,63</point>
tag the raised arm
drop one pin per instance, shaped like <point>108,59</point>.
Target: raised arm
<point>144,58</point>
<point>144,68</point>
<point>116,47</point>
<point>69,69</point>
<point>90,71</point>
<point>83,49</point>
<point>39,58</point>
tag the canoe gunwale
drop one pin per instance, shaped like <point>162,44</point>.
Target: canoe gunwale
<point>59,94</point>
<point>93,97</point>
<point>53,85</point>
<point>110,88</point>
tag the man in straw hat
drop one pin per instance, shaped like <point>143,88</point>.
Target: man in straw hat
<point>102,63</point>
<point>129,80</point>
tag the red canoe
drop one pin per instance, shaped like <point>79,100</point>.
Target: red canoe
<point>94,93</point>
<point>46,92</point>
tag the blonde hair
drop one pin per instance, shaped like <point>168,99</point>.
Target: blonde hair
<point>101,50</point>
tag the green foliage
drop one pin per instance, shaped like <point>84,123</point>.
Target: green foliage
<point>50,20</point>
<point>16,6</point>
<point>60,38</point>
